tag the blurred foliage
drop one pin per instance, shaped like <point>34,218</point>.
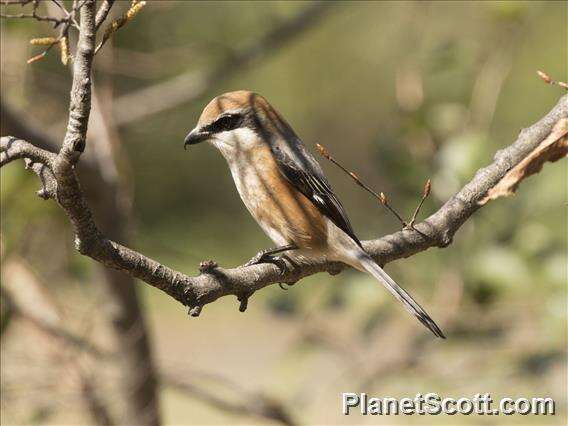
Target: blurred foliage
<point>399,92</point>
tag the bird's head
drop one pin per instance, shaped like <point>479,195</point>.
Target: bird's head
<point>240,121</point>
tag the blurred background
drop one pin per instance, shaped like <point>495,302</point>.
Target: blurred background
<point>397,91</point>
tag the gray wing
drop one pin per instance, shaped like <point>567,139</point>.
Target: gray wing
<point>302,170</point>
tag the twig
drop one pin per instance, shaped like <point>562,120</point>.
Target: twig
<point>34,14</point>
<point>60,6</point>
<point>546,78</point>
<point>29,300</point>
<point>95,405</point>
<point>103,12</point>
<point>49,41</point>
<point>61,40</point>
<point>115,25</point>
<point>382,358</point>
<point>379,196</point>
<point>257,405</point>
<point>425,194</point>
<point>56,21</point>
<point>71,15</point>
<point>12,2</point>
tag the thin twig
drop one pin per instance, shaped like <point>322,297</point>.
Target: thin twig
<point>425,194</point>
<point>379,196</point>
<point>12,2</point>
<point>103,12</point>
<point>546,78</point>
<point>69,15</point>
<point>115,25</point>
<point>42,54</point>
<point>34,14</point>
<point>251,404</point>
<point>61,40</point>
<point>57,21</point>
<point>60,6</point>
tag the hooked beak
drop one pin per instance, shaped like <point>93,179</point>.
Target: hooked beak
<point>195,137</point>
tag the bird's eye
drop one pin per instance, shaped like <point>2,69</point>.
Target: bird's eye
<point>227,122</point>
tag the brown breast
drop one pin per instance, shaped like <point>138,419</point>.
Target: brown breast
<point>280,205</point>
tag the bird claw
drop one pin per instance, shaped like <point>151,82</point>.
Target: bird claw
<point>285,286</point>
<point>257,258</point>
<point>265,257</point>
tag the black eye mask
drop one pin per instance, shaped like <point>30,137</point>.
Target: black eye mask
<point>225,123</point>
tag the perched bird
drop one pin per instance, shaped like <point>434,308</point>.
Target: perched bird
<point>285,190</point>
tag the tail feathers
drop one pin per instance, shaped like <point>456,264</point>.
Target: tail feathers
<point>409,303</point>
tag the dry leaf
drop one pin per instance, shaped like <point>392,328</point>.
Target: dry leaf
<point>553,148</point>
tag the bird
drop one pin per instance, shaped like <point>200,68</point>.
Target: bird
<point>285,190</point>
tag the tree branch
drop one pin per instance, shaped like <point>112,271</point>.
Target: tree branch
<point>251,404</point>
<point>102,13</point>
<point>134,371</point>
<point>21,287</point>
<point>80,102</point>
<point>30,300</point>
<point>191,85</point>
<point>14,148</point>
<point>214,282</point>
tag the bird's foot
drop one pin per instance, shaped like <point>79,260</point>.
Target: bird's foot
<point>266,256</point>
<point>270,256</point>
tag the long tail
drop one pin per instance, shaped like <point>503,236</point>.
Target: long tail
<point>369,265</point>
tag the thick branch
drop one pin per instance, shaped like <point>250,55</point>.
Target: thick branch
<point>214,282</point>
<point>80,102</point>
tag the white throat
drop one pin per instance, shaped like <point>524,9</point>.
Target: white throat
<point>235,144</point>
